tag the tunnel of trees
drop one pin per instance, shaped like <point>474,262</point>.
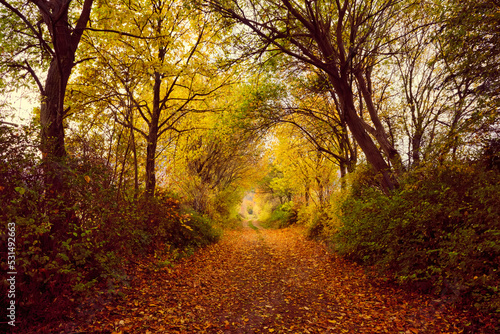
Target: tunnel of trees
<point>373,124</point>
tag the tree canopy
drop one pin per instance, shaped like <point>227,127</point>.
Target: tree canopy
<point>356,119</point>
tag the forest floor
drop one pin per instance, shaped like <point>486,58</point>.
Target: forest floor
<point>266,281</point>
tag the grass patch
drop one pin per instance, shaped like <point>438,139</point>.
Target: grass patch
<point>252,226</point>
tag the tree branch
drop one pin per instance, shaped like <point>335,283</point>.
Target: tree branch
<point>29,25</point>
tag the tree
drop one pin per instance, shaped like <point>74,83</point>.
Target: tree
<point>53,30</point>
<point>341,39</point>
<point>470,35</point>
<point>215,162</point>
<point>314,110</point>
<point>416,80</point>
<point>158,70</point>
<point>443,90</point>
<point>306,171</point>
<point>468,39</point>
<point>58,40</point>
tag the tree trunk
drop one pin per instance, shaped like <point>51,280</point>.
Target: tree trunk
<point>416,143</point>
<point>321,196</point>
<point>150,164</point>
<point>306,193</point>
<point>130,121</point>
<point>379,133</point>
<point>136,165</point>
<point>52,144</point>
<point>65,39</point>
<point>52,112</point>
<point>153,138</point>
<point>124,164</point>
<point>343,173</point>
<point>355,124</point>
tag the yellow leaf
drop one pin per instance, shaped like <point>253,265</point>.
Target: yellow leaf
<point>87,178</point>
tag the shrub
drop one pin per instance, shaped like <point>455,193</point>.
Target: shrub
<point>102,230</point>
<point>439,231</point>
<point>322,222</point>
<point>281,216</point>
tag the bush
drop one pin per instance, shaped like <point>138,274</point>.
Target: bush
<point>322,222</point>
<point>439,231</point>
<point>101,229</point>
<point>281,216</point>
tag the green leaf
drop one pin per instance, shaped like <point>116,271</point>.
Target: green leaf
<point>63,256</point>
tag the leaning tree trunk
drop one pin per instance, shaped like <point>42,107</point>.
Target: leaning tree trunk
<point>378,132</point>
<point>365,142</point>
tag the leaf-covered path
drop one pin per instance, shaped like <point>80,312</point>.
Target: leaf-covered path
<point>269,281</point>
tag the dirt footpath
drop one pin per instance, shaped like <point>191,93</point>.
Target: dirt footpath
<point>269,281</point>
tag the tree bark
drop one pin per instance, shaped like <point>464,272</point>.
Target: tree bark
<point>379,133</point>
<point>65,42</point>
<point>136,165</point>
<point>306,192</point>
<point>153,138</point>
<point>416,143</point>
<point>52,112</point>
<point>356,125</point>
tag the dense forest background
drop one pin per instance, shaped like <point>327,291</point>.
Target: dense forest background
<point>374,124</point>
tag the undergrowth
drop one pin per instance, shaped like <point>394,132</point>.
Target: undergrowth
<point>102,229</point>
<point>439,232</point>
<point>280,216</point>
